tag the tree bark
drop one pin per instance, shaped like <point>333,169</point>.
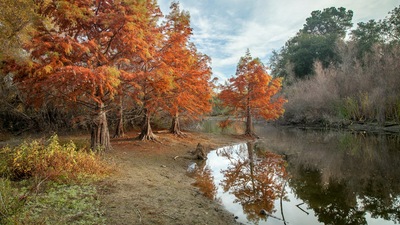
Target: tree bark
<point>119,131</point>
<point>146,132</point>
<point>175,126</point>
<point>100,136</point>
<point>249,123</point>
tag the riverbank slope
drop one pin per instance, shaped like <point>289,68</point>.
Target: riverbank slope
<point>151,187</point>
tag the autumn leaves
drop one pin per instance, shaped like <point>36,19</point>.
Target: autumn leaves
<point>253,93</point>
<point>103,53</point>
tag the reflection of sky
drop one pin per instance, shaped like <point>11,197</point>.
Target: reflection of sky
<point>292,213</point>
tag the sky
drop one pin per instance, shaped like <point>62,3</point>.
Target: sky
<point>225,29</point>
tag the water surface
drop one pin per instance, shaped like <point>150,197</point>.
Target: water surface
<point>293,176</point>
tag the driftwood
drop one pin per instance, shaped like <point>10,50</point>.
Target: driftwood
<point>198,154</point>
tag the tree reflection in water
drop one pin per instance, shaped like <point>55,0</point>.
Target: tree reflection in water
<point>204,180</point>
<point>338,178</point>
<point>350,177</point>
<point>256,180</point>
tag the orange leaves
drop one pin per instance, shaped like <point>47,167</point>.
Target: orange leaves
<point>67,47</point>
<point>87,51</point>
<point>82,50</point>
<point>176,78</point>
<point>256,179</point>
<point>253,91</point>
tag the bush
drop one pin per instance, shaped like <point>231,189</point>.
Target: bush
<point>50,184</point>
<point>359,90</point>
<point>56,162</point>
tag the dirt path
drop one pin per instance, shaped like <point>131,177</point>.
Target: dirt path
<point>153,188</point>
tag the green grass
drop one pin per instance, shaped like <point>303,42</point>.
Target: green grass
<point>46,182</point>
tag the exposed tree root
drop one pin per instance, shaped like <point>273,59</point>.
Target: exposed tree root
<point>179,134</point>
<point>148,137</point>
<point>176,128</point>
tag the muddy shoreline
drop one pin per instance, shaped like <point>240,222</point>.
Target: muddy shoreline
<point>151,187</point>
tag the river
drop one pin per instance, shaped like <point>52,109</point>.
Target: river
<point>305,177</point>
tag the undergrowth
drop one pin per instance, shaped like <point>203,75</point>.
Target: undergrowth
<point>45,182</point>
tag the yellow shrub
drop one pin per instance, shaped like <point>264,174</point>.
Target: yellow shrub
<point>63,163</point>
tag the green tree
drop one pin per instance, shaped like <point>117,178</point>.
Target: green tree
<point>316,41</point>
<point>330,21</point>
<point>366,35</point>
<point>278,62</point>
<point>306,49</point>
<point>392,25</point>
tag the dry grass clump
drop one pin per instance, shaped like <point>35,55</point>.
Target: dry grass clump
<point>357,90</point>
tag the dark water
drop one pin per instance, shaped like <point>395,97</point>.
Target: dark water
<point>293,176</point>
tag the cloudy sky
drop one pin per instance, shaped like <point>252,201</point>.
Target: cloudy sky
<point>224,29</point>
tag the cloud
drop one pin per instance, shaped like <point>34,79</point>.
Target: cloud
<point>224,29</point>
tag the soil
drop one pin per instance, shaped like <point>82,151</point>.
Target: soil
<point>151,187</point>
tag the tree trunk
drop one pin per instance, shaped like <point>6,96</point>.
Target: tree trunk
<point>100,136</point>
<point>249,123</point>
<point>147,133</point>
<point>175,126</point>
<point>119,131</point>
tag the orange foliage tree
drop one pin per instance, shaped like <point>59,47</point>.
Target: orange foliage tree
<point>252,92</point>
<point>150,82</point>
<point>190,72</point>
<point>81,51</point>
<point>153,84</point>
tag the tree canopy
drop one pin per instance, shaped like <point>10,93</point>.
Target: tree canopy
<point>88,52</point>
<point>330,21</point>
<point>253,93</point>
<point>17,19</point>
<point>190,70</point>
<point>316,41</point>
<point>355,79</point>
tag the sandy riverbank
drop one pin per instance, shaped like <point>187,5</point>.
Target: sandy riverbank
<point>151,187</point>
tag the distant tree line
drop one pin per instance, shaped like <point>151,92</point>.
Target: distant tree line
<point>333,72</point>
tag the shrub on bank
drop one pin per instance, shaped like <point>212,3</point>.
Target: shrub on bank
<point>56,162</point>
<point>364,90</point>
<point>49,183</point>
